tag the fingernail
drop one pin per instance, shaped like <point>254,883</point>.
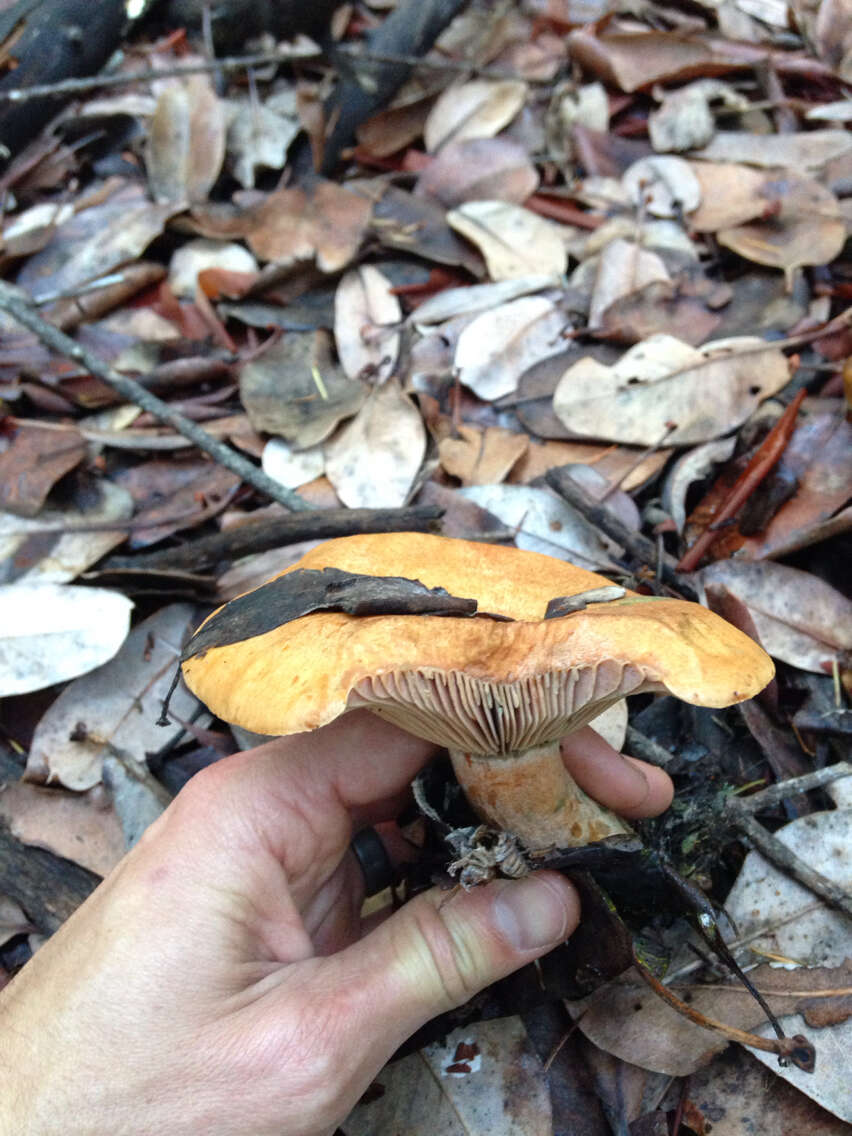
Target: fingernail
<point>532,913</point>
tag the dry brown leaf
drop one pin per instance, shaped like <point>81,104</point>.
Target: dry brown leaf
<point>539,457</point>
<point>623,267</point>
<point>367,317</point>
<point>798,617</point>
<point>496,168</point>
<point>82,827</point>
<point>514,241</point>
<point>32,465</point>
<point>483,1080</point>
<point>807,150</point>
<point>116,705</point>
<point>419,226</point>
<point>495,348</point>
<point>373,461</point>
<point>805,226</point>
<point>659,307</point>
<point>295,390</point>
<point>327,224</point>
<point>481,457</point>
<point>731,194</point>
<point>479,108</point>
<point>186,142</point>
<point>394,128</point>
<point>635,60</point>
<point>662,381</point>
<point>819,457</point>
<point>169,495</point>
<point>662,185</point>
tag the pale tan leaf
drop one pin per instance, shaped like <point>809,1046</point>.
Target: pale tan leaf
<point>806,226</point>
<point>53,632</point>
<point>367,318</point>
<point>116,705</point>
<point>13,920</point>
<point>730,195</point>
<point>665,186</point>
<point>289,466</point>
<point>496,347</point>
<point>82,827</point>
<point>513,240</point>
<point>623,268</point>
<point>806,150</point>
<point>373,460</point>
<point>326,224</point>
<point>798,617</point>
<point>258,138</point>
<point>186,143</point>
<point>479,108</point>
<point>497,168</point>
<point>662,382</point>
<point>197,256</point>
<point>481,457</point>
<point>483,1080</point>
<point>473,298</point>
<point>684,120</point>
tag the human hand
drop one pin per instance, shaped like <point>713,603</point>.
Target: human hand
<point>218,982</point>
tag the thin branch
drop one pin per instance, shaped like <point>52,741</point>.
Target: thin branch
<point>20,307</point>
<point>774,794</point>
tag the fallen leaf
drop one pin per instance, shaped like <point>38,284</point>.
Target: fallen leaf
<point>802,151</point>
<point>186,142</point>
<point>665,186</point>
<point>612,724</point>
<point>513,240</point>
<point>367,318</point>
<point>418,226</point>
<point>48,550</point>
<point>30,230</point>
<point>731,194</point>
<point>373,461</point>
<point>295,390</point>
<point>798,617</point>
<point>703,392</point>
<point>495,348</point>
<point>117,705</point>
<point>684,120</point>
<point>634,60</point>
<point>32,465</point>
<point>292,225</point>
<point>805,226</point>
<point>258,137</point>
<point>818,456</point>
<point>481,457</point>
<point>695,465</point>
<point>289,466</point>
<point>52,632</point>
<point>170,495</point>
<point>544,523</point>
<point>483,1080</point>
<point>479,108</point>
<point>474,298</point>
<point>497,168</point>
<point>659,307</point>
<point>200,255</point>
<point>13,920</point>
<point>623,267</point>
<point>82,827</point>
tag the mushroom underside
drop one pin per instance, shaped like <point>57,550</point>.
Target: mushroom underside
<point>503,738</point>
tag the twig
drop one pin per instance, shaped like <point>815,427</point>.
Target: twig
<point>640,745</point>
<point>261,536</point>
<point>20,307</point>
<point>775,794</point>
<point>639,546</point>
<point>781,856</point>
<point>767,456</point>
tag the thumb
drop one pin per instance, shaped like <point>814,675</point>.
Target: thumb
<point>440,949</point>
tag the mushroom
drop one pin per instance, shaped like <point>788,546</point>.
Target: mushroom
<point>498,689</point>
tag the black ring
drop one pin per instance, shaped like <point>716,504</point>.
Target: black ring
<point>374,861</point>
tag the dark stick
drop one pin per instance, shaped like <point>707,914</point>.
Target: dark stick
<point>20,307</point>
<point>47,887</point>
<point>639,546</point>
<point>260,536</point>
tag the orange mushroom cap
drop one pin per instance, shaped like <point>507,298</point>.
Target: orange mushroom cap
<point>478,683</point>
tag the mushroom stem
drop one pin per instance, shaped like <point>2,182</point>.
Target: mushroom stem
<point>531,794</point>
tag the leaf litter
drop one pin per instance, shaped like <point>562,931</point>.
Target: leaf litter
<point>628,264</point>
